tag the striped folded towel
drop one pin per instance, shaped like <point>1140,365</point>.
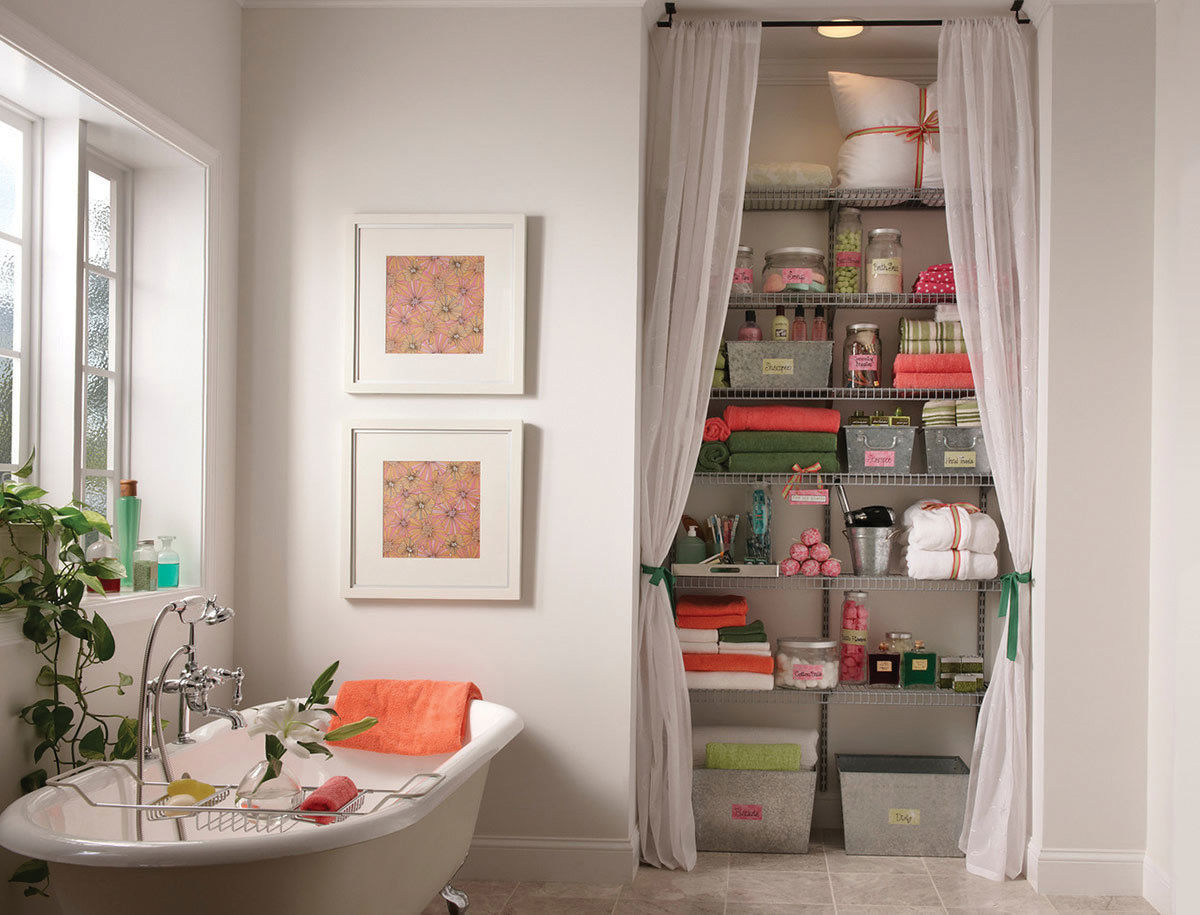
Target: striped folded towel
<point>966,412</point>
<point>923,337</point>
<point>939,413</point>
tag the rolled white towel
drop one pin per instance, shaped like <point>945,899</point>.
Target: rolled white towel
<point>950,528</point>
<point>788,174</point>
<point>763,648</point>
<point>696,635</point>
<point>704,734</point>
<point>947,564</point>
<point>728,679</point>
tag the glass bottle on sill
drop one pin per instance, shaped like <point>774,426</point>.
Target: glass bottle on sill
<point>102,547</point>
<point>168,562</point>
<point>145,566</point>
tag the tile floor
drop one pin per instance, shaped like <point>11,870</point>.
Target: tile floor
<point>826,881</point>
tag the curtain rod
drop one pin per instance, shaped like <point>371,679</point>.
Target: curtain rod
<point>671,9</point>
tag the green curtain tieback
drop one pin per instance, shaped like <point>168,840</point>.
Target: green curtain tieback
<point>1009,597</point>
<point>661,575</point>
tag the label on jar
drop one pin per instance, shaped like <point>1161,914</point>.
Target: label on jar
<point>883,667</point>
<point>880,458</point>
<point>807,672</point>
<point>743,275</point>
<point>885,266</point>
<point>900,816</point>
<point>747,812</point>
<point>854,637</point>
<point>800,276</point>
<point>779,367</point>
<point>920,664</point>
<point>863,362</point>
<point>808,497</point>
<point>960,459</point>
<point>848,259</point>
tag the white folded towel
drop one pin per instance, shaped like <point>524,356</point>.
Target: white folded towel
<point>946,312</point>
<point>704,734</point>
<point>950,528</point>
<point>698,647</point>
<point>728,679</point>
<point>947,564</point>
<point>696,635</point>
<point>788,174</point>
<point>762,648</point>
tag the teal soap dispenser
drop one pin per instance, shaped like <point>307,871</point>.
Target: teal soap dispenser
<point>690,549</point>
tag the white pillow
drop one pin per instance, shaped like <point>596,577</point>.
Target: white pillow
<point>883,159</point>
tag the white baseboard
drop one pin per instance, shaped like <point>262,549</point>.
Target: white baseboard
<point>553,859</point>
<point>1156,888</point>
<point>1085,871</point>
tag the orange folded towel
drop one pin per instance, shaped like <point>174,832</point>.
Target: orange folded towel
<point>944,380</point>
<point>782,418</point>
<point>416,717</point>
<point>749,663</point>
<point>332,796</point>
<point>711,605</point>
<point>710,622</point>
<point>922,363</point>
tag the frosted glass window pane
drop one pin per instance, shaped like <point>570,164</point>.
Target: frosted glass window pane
<point>99,241</point>
<point>6,411</point>
<point>99,320</point>
<point>10,292</point>
<point>95,494</point>
<point>97,419</point>
<point>12,179</point>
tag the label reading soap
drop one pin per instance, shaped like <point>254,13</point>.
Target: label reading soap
<point>806,672</point>
<point>863,362</point>
<point>779,367</point>
<point>885,266</point>
<point>900,816</point>
<point>880,459</point>
<point>747,812</point>
<point>960,459</point>
<point>797,276</point>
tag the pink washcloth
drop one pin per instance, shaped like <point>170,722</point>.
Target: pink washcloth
<point>332,796</point>
<point>954,380</point>
<point>716,429</point>
<point>416,717</point>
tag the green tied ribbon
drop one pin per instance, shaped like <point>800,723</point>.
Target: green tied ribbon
<point>1009,598</point>
<point>661,575</point>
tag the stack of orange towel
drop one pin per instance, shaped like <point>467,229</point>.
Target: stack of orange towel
<point>697,619</point>
<point>932,370</point>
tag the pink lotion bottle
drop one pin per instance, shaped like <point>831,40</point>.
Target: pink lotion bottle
<point>750,330</point>
<point>799,325</point>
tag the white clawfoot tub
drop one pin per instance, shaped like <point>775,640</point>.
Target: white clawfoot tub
<point>393,861</point>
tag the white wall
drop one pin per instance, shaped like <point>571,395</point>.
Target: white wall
<point>1093,522</point>
<point>440,111</point>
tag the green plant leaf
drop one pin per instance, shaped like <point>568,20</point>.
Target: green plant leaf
<point>40,749</point>
<point>36,627</point>
<point>126,745</point>
<point>314,747</point>
<point>29,492</point>
<point>75,624</point>
<point>321,686</point>
<point>353,729</point>
<point>34,780</point>
<point>45,676</point>
<point>93,744</point>
<point>91,582</point>
<point>31,871</point>
<point>103,642</point>
<point>61,719</point>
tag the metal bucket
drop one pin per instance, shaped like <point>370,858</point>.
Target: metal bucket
<point>871,549</point>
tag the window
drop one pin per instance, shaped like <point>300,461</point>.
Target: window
<point>102,370</point>
<point>16,268</point>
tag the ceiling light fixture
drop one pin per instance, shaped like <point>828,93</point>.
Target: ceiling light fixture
<point>852,28</point>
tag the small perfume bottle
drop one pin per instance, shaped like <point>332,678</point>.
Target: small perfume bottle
<point>920,667</point>
<point>168,562</point>
<point>750,330</point>
<point>145,566</point>
<point>820,329</point>
<point>103,548</point>
<point>883,669</point>
<point>799,325</point>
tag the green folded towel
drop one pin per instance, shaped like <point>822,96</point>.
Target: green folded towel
<point>920,347</point>
<point>782,441</point>
<point>712,458</point>
<point>763,757</point>
<point>751,632</point>
<point>781,462</point>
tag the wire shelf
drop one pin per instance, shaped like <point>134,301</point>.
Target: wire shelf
<point>840,393</point>
<point>864,300</point>
<point>821,198</point>
<point>851,479</point>
<point>844,695</point>
<point>839,583</point>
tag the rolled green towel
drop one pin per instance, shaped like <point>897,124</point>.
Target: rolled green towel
<point>949,330</point>
<point>713,456</point>
<point>753,632</point>
<point>781,462</point>
<point>825,442</point>
<point>763,757</point>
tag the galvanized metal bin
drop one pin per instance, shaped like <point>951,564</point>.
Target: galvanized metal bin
<point>779,364</point>
<point>752,811</point>
<point>903,805</point>
<point>879,449</point>
<point>956,449</point>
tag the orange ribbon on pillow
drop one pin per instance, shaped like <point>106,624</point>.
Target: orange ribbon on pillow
<point>912,133</point>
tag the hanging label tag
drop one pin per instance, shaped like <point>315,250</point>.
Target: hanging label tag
<point>747,812</point>
<point>808,497</point>
<point>779,367</point>
<point>880,459</point>
<point>960,459</point>
<point>899,816</point>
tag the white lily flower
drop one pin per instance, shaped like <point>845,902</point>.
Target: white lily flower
<point>291,725</point>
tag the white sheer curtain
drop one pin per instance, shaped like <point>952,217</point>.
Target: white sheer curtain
<point>700,111</point>
<point>988,164</point>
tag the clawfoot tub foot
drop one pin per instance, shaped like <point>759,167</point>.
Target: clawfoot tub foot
<point>456,900</point>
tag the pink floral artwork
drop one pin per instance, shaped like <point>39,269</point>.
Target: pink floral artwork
<point>431,509</point>
<point>434,304</point>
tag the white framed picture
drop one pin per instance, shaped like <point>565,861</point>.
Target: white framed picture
<point>433,510</point>
<point>437,304</point>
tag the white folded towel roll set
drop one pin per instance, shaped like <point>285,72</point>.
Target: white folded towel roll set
<point>950,541</point>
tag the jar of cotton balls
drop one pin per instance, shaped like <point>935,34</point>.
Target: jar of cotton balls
<point>806,663</point>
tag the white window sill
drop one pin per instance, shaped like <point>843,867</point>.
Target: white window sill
<point>129,607</point>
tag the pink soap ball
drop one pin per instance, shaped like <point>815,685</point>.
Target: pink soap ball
<point>831,567</point>
<point>810,537</point>
<point>820,552</point>
<point>799,552</point>
<point>789,567</point>
<point>810,568</point>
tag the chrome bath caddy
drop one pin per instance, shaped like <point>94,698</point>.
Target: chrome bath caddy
<point>212,815</point>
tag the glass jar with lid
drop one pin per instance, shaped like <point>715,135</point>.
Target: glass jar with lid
<point>847,252</point>
<point>862,353</point>
<point>795,269</point>
<point>855,619</point>
<point>806,663</point>
<point>885,261</point>
<point>743,271</point>
<point>901,641</point>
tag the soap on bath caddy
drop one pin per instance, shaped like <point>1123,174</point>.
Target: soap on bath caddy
<point>179,801</point>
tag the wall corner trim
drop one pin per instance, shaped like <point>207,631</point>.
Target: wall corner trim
<point>1156,887</point>
<point>552,859</point>
<point>1086,871</point>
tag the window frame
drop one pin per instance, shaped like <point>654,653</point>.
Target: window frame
<point>120,181</point>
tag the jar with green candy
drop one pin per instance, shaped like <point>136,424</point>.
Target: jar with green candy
<point>847,251</point>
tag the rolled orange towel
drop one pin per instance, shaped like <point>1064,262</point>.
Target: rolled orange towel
<point>332,796</point>
<point>749,663</point>
<point>416,717</point>
<point>912,363</point>
<point>710,622</point>
<point>781,418</point>
<point>711,605</point>
<point>715,429</point>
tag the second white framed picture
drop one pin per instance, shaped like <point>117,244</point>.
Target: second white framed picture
<point>437,304</point>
